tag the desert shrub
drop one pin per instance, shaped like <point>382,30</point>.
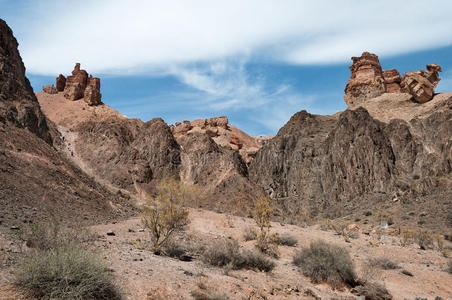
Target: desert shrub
<point>164,214</point>
<point>249,234</point>
<point>227,252</point>
<point>383,263</point>
<point>203,292</point>
<point>174,249</point>
<point>424,239</point>
<point>65,272</point>
<point>266,242</point>
<point>338,226</point>
<point>287,240</point>
<point>324,262</point>
<point>407,236</point>
<point>372,291</point>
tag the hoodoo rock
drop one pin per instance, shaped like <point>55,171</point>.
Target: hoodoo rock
<point>92,94</point>
<point>368,81</point>
<point>421,85</point>
<point>392,81</point>
<point>60,83</point>
<point>77,86</point>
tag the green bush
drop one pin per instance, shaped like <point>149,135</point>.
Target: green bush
<point>65,272</point>
<point>324,262</point>
<point>228,253</point>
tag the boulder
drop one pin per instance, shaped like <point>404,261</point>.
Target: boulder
<point>60,83</point>
<point>421,85</point>
<point>49,89</point>
<point>366,80</point>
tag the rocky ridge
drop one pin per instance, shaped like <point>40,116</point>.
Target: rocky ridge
<point>37,181</point>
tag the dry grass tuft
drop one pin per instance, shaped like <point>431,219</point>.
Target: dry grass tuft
<point>323,262</point>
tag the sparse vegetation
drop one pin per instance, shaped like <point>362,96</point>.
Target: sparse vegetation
<point>424,239</point>
<point>383,263</point>
<point>266,242</point>
<point>164,214</point>
<point>250,234</point>
<point>324,262</point>
<point>372,291</point>
<point>60,266</point>
<point>287,240</point>
<point>203,292</point>
<point>226,252</point>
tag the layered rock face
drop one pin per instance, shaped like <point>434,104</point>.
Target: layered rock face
<point>392,81</point>
<point>78,86</point>
<point>368,81</point>
<point>36,180</point>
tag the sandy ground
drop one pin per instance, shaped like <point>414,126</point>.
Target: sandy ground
<point>140,272</point>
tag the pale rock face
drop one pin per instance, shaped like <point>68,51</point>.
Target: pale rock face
<point>366,80</point>
<point>392,81</point>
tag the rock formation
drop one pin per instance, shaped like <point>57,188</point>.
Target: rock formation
<point>223,133</point>
<point>392,81</point>
<point>49,89</point>
<point>368,81</point>
<point>421,85</point>
<point>78,86</point>
<point>36,180</point>
<point>60,83</point>
<point>324,163</point>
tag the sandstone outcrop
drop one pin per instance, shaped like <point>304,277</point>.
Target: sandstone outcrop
<point>392,81</point>
<point>77,86</point>
<point>368,81</point>
<point>49,89</point>
<point>223,133</point>
<point>60,83</point>
<point>422,84</point>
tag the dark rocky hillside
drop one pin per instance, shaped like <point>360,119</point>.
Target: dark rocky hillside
<point>36,180</point>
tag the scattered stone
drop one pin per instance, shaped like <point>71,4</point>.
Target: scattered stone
<point>111,233</point>
<point>407,273</point>
<point>14,227</point>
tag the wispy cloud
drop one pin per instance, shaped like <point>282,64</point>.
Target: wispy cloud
<point>130,37</point>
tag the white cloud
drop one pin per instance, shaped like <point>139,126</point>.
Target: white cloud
<point>121,36</point>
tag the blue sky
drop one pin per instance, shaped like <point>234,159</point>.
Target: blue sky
<point>257,62</point>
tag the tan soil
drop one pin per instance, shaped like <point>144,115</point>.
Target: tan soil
<point>177,279</point>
